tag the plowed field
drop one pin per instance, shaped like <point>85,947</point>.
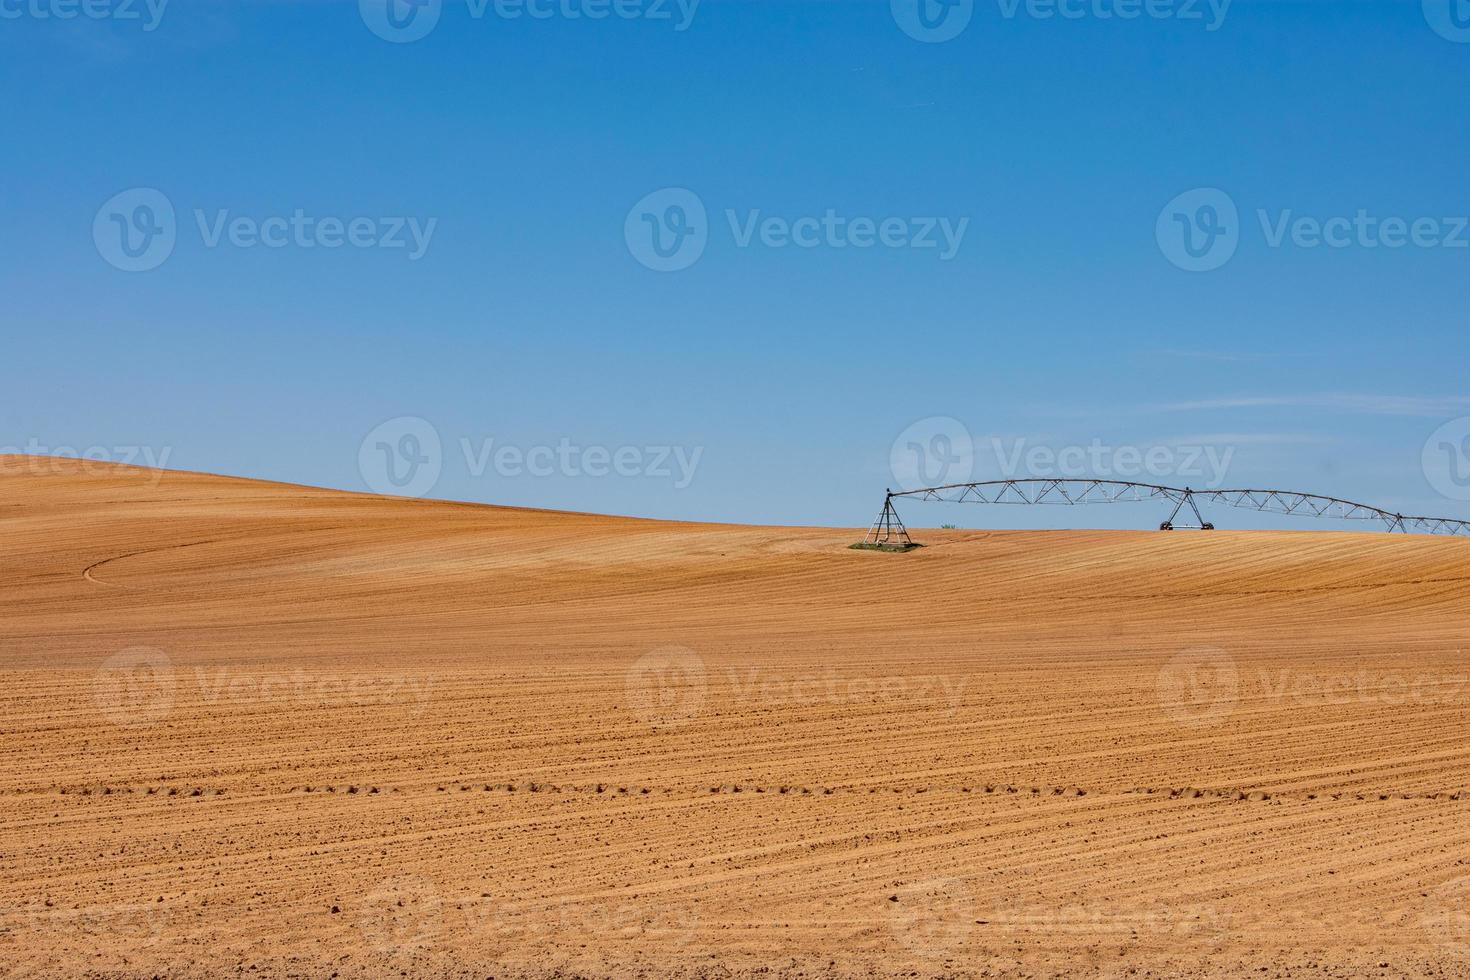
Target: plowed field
<point>259,729</point>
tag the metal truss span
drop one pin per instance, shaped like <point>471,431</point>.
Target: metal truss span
<point>889,529</point>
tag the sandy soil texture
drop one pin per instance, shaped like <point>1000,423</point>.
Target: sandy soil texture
<point>254,729</point>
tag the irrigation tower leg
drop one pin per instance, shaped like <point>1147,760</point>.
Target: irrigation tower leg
<point>888,529</point>
<point>1200,523</point>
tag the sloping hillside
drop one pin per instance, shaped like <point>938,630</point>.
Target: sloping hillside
<point>257,725</point>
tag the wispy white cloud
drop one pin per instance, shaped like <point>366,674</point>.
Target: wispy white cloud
<point>1225,356</point>
<point>1250,439</point>
<point>1415,405</point>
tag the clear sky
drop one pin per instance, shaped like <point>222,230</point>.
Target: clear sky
<point>735,260</point>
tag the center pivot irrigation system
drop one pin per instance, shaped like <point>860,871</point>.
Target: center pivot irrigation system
<point>888,531</point>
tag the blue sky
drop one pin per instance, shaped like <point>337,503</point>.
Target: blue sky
<point>528,152</point>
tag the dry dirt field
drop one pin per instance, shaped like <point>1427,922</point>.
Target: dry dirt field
<point>263,730</point>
